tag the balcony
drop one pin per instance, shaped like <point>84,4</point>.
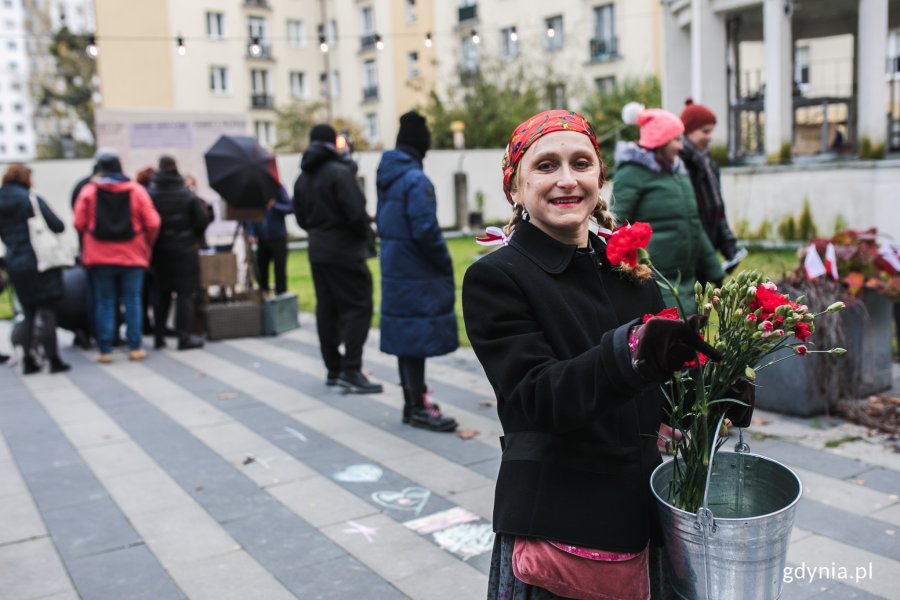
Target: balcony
<point>604,49</point>
<point>256,3</point>
<point>367,42</point>
<point>468,13</point>
<point>262,101</point>
<point>370,93</point>
<point>265,51</point>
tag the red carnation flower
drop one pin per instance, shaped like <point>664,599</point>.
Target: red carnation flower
<point>768,300</point>
<point>801,331</point>
<point>622,246</point>
<point>666,313</point>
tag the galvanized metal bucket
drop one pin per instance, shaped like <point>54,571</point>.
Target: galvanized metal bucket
<point>735,546</point>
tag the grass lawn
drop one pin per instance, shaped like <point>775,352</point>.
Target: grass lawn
<point>463,251</point>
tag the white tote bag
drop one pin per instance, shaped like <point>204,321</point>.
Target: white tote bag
<point>49,249</point>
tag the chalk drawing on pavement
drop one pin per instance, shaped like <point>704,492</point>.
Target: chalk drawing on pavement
<point>364,530</point>
<point>361,473</point>
<point>410,499</point>
<point>441,520</point>
<point>467,539</point>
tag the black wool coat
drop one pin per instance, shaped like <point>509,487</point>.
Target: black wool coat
<point>183,219</point>
<point>549,324</point>
<point>32,287</point>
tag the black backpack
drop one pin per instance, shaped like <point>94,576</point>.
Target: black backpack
<point>112,221</point>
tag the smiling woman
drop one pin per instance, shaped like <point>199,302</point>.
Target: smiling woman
<point>549,317</point>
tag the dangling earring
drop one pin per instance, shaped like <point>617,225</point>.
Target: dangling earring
<point>525,215</point>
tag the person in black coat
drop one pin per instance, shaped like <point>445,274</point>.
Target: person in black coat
<point>175,263</point>
<point>551,321</point>
<point>37,291</point>
<point>329,205</point>
<point>271,239</point>
<point>699,123</point>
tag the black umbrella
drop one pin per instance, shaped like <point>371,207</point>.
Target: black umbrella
<point>241,171</point>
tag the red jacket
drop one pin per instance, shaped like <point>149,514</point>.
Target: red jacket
<point>144,220</point>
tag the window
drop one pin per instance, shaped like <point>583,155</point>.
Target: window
<point>323,84</point>
<point>218,80</point>
<point>470,57</point>
<point>371,127</point>
<point>556,94</point>
<point>259,81</point>
<point>257,28</point>
<point>555,34</point>
<point>11,45</point>
<point>412,65</point>
<point>370,80</point>
<point>331,33</point>
<point>367,20</point>
<point>20,128</point>
<point>215,25</point>
<point>604,45</point>
<point>894,53</point>
<point>17,107</point>
<point>298,85</point>
<point>296,34</point>
<point>801,67</point>
<point>509,43</point>
<point>22,148</point>
<point>605,85</point>
<point>265,133</point>
<point>409,11</point>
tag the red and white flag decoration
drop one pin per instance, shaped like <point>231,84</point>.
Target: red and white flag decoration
<point>813,264</point>
<point>493,236</point>
<point>891,255</point>
<point>831,261</point>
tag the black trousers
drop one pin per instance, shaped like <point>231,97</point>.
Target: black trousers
<point>184,311</point>
<point>48,329</point>
<point>343,312</point>
<point>275,252</point>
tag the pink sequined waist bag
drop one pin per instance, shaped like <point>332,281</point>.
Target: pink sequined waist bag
<point>582,573</point>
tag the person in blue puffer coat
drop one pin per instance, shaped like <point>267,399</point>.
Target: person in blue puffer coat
<point>417,290</point>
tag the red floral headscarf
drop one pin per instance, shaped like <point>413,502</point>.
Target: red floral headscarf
<point>534,128</point>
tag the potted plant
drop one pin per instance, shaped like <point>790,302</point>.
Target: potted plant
<point>861,271</point>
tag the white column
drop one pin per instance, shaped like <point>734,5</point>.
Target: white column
<point>709,77</point>
<point>676,71</point>
<point>872,98</point>
<point>779,76</point>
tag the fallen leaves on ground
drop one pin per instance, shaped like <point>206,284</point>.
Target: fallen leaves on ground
<point>466,434</point>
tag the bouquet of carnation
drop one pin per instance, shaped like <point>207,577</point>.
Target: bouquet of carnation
<point>746,319</point>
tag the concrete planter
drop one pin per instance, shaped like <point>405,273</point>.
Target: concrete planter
<point>805,386</point>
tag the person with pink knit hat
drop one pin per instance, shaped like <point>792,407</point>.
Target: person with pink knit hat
<point>652,186</point>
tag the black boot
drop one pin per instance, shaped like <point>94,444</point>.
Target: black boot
<point>419,412</point>
<point>189,342</point>
<point>355,382</point>
<point>58,366</point>
<point>30,365</point>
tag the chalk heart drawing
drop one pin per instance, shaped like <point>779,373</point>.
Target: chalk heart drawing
<point>466,540</point>
<point>359,474</point>
<point>409,499</point>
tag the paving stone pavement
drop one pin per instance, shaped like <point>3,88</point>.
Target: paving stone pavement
<point>234,472</point>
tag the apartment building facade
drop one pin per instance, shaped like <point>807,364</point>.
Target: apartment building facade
<point>26,30</point>
<point>366,61</point>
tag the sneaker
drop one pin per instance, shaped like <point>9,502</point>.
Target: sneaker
<point>139,354</point>
<point>104,358</point>
<point>58,366</point>
<point>354,382</point>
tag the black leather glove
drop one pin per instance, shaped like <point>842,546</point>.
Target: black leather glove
<point>662,346</point>
<point>740,416</point>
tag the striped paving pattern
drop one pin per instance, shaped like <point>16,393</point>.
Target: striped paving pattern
<point>234,472</point>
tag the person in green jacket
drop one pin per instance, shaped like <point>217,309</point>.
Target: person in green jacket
<point>651,186</point>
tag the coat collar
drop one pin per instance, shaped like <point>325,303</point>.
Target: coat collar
<point>549,254</point>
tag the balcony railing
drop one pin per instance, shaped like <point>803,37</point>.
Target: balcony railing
<point>367,42</point>
<point>468,13</point>
<point>257,3</point>
<point>370,93</point>
<point>604,48</point>
<point>261,101</point>
<point>264,53</point>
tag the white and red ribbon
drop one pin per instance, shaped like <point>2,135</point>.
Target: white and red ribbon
<point>493,236</point>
